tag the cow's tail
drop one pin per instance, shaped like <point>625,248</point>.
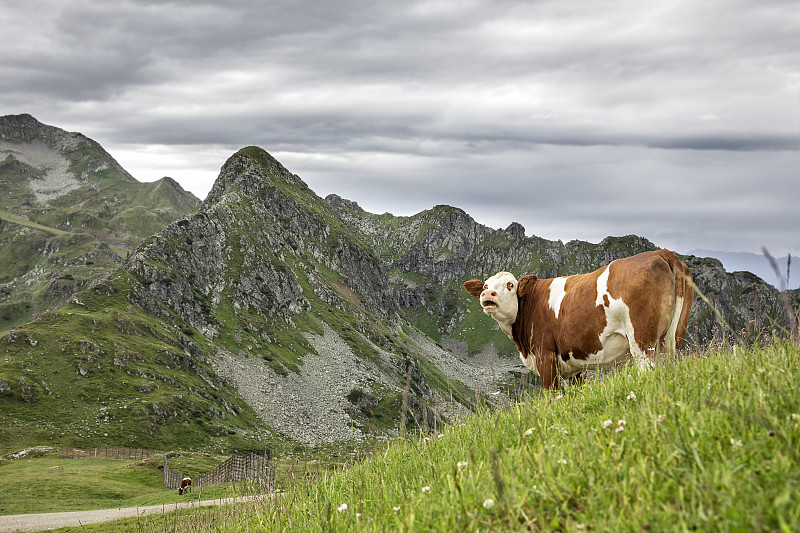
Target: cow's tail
<point>683,296</point>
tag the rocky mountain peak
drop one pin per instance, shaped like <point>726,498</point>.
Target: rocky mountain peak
<point>515,230</point>
<point>19,128</point>
<point>341,204</point>
<point>249,171</point>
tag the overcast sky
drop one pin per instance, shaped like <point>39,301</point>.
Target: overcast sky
<point>675,120</point>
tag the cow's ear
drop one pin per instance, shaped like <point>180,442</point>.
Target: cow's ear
<point>525,284</point>
<point>474,287</point>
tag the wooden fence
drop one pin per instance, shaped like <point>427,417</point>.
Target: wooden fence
<point>250,467</point>
<point>108,452</point>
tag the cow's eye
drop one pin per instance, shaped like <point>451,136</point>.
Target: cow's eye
<point>485,286</point>
<point>510,285</point>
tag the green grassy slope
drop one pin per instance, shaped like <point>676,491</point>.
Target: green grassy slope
<point>710,442</point>
<point>100,371</point>
<point>51,484</point>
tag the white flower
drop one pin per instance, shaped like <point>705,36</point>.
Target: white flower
<point>342,508</point>
<point>794,416</point>
<point>608,423</point>
<point>488,503</point>
<point>439,436</point>
<point>736,443</point>
<point>358,515</point>
<point>426,489</point>
<point>396,509</point>
<point>620,429</point>
<point>426,439</point>
<point>461,465</point>
<point>528,432</point>
<point>562,461</point>
<point>632,397</point>
<point>621,422</point>
<point>661,418</point>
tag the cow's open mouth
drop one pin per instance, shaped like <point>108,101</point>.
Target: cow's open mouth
<point>488,305</point>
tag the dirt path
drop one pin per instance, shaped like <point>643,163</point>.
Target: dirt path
<point>39,522</point>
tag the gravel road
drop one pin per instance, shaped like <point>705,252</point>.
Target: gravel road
<point>42,522</point>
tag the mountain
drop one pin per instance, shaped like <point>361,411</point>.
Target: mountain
<point>69,214</point>
<point>758,264</point>
<point>270,316</point>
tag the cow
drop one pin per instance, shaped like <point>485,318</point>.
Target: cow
<point>185,486</point>
<point>629,309</point>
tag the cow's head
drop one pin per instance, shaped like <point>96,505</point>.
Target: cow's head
<point>498,296</point>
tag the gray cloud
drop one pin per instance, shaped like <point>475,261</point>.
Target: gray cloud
<point>679,121</point>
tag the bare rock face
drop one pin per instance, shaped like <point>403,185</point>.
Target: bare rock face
<point>748,305</point>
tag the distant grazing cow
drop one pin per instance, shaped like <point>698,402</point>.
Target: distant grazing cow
<point>562,326</point>
<point>186,485</point>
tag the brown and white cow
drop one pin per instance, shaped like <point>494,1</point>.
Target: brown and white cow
<point>629,308</point>
<point>185,486</point>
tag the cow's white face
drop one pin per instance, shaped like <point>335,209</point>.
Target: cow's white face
<point>498,297</point>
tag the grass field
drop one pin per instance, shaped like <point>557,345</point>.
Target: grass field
<point>24,222</point>
<point>709,442</point>
<point>49,483</point>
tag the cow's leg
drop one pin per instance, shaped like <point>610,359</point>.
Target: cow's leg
<point>642,358</point>
<point>546,366</point>
<point>577,380</point>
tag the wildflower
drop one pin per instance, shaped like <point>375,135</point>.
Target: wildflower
<point>608,423</point>
<point>358,515</point>
<point>661,418</point>
<point>562,461</point>
<point>342,508</point>
<point>461,465</point>
<point>794,416</point>
<point>620,429</point>
<point>488,503</point>
<point>736,443</point>
<point>426,439</point>
<point>528,432</point>
<point>426,489</point>
<point>396,509</point>
<point>621,422</point>
<point>632,397</point>
<point>439,436</point>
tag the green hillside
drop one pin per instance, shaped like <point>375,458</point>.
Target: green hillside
<point>59,190</point>
<point>101,370</point>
